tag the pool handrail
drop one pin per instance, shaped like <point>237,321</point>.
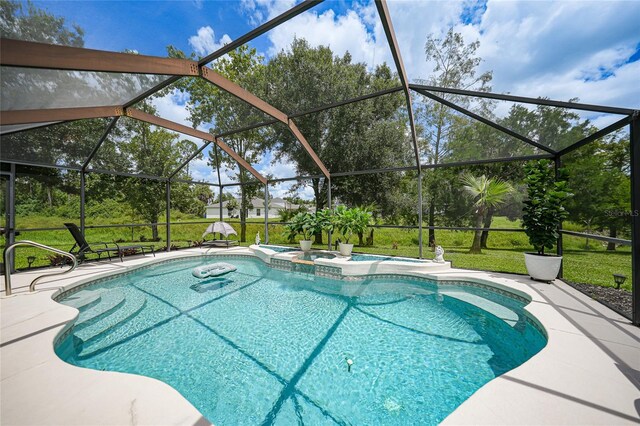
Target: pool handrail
<point>32,286</point>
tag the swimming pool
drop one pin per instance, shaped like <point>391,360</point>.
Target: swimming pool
<point>263,346</point>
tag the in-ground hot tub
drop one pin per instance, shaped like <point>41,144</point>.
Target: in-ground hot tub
<point>378,258</point>
<point>312,256</point>
<point>266,346</point>
<point>333,264</point>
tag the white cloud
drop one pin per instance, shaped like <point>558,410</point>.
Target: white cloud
<point>559,50</point>
<point>348,32</point>
<point>603,120</point>
<point>306,193</point>
<point>283,189</point>
<point>281,168</point>
<point>280,189</point>
<point>204,42</point>
<point>538,50</point>
<point>202,172</point>
<point>172,107</point>
<point>412,22</point>
<point>260,11</point>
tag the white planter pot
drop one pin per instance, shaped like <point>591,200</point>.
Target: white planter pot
<point>305,245</point>
<point>345,249</point>
<point>542,268</point>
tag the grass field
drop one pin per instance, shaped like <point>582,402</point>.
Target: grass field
<point>593,265</point>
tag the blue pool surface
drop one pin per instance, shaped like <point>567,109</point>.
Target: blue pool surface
<point>263,346</point>
<point>374,258</point>
<point>279,249</point>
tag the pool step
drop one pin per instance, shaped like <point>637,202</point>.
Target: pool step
<point>109,301</point>
<point>134,302</point>
<point>83,300</point>
<point>505,313</point>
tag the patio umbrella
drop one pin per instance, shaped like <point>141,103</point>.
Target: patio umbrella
<point>220,227</point>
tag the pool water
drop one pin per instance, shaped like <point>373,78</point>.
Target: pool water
<point>310,256</point>
<point>263,346</point>
<point>369,258</point>
<point>279,249</point>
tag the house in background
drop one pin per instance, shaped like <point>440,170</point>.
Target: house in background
<point>257,209</point>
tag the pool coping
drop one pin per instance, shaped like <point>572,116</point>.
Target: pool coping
<point>582,375</point>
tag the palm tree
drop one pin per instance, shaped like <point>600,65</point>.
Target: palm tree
<point>486,193</point>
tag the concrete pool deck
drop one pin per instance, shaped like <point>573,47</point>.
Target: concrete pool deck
<point>589,372</point>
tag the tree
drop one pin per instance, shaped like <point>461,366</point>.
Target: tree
<point>599,174</point>
<point>500,145</point>
<point>208,104</point>
<point>37,25</point>
<point>456,66</point>
<point>303,78</point>
<point>550,126</point>
<point>64,143</point>
<point>21,87</point>
<point>186,147</point>
<point>226,196</point>
<point>232,205</point>
<point>204,194</point>
<point>365,135</point>
<point>153,153</point>
<point>486,193</point>
<point>190,198</point>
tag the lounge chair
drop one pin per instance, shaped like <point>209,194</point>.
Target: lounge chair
<point>81,247</point>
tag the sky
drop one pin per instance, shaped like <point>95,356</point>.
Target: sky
<point>562,50</point>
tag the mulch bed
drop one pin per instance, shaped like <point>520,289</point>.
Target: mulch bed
<point>617,299</point>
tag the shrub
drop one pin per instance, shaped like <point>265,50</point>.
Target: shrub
<point>544,210</point>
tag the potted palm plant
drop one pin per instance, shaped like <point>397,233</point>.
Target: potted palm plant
<point>301,224</point>
<point>314,224</point>
<point>344,221</point>
<point>542,214</point>
<point>308,224</point>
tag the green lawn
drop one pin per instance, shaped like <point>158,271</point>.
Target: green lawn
<point>505,254</point>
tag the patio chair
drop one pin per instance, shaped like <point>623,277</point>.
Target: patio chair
<point>82,247</point>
